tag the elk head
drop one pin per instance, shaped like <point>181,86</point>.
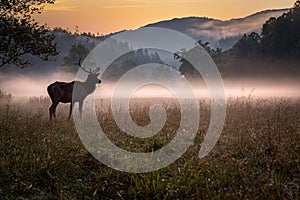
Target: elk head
<point>92,75</point>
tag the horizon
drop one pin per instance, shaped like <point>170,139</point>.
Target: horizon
<point>102,18</point>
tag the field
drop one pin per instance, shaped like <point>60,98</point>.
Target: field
<point>256,157</point>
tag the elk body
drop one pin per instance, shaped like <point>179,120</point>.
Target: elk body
<point>62,92</point>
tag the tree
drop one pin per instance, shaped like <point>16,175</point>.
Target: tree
<point>275,50</point>
<point>248,46</point>
<point>187,69</point>
<point>281,36</point>
<point>215,54</point>
<point>77,51</point>
<point>21,35</point>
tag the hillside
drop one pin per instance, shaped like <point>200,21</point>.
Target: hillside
<point>219,33</point>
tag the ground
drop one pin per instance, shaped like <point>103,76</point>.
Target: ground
<point>256,157</point>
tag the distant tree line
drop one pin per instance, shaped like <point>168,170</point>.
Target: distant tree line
<point>128,61</point>
<point>76,52</point>
<point>118,67</point>
<point>275,50</point>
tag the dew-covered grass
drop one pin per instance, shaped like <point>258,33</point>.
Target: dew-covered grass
<point>256,157</point>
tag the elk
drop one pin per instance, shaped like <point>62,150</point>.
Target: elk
<point>62,91</point>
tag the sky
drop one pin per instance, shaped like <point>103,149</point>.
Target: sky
<point>107,16</point>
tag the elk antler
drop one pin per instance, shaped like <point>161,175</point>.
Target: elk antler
<point>79,64</point>
<point>90,71</point>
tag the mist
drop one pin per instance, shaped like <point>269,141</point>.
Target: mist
<point>218,29</point>
<point>29,85</point>
<point>21,86</point>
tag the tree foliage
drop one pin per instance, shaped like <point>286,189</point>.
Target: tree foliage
<point>275,50</point>
<point>77,51</point>
<point>248,46</point>
<point>21,35</point>
<point>279,39</point>
<point>128,61</point>
<point>186,68</point>
<point>280,36</point>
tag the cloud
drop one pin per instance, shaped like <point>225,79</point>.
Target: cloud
<point>147,3</point>
<point>164,2</point>
<point>128,6</point>
<point>62,8</point>
<point>218,29</point>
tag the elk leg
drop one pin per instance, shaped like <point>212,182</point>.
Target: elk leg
<point>50,112</point>
<point>80,109</point>
<point>71,108</point>
<point>52,109</point>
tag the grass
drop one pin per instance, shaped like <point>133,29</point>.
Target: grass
<point>256,157</point>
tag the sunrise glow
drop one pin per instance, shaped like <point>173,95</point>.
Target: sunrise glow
<point>99,16</point>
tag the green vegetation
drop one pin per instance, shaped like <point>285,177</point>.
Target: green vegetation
<point>21,35</point>
<point>274,51</point>
<point>257,156</point>
<point>127,61</point>
<point>76,52</point>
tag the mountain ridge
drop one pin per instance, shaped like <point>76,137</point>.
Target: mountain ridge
<point>215,31</point>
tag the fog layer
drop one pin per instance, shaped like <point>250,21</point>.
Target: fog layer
<point>28,86</point>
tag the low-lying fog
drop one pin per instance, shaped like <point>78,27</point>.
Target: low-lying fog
<point>28,86</point>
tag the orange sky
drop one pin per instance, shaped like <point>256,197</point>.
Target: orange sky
<point>99,16</point>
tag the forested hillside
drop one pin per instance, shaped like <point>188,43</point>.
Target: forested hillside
<point>273,51</point>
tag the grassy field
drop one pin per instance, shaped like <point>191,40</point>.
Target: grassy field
<point>256,157</point>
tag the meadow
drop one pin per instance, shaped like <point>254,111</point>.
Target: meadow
<point>256,157</point>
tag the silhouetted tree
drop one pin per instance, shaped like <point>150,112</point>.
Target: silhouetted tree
<point>77,51</point>
<point>248,45</point>
<point>21,35</point>
<point>187,69</point>
<point>215,54</point>
<point>276,50</point>
<point>281,36</point>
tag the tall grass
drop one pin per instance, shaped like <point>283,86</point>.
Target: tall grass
<point>256,157</point>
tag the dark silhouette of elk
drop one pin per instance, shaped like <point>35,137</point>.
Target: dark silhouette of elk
<point>63,92</point>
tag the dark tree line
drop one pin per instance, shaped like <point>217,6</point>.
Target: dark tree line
<point>77,51</point>
<point>275,50</point>
<point>279,38</point>
<point>130,60</point>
